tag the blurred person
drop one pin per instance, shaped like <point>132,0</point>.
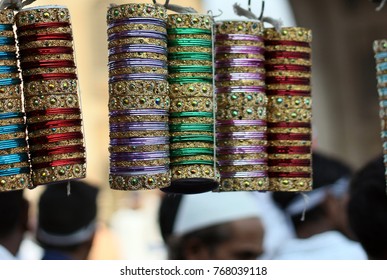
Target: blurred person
<point>215,226</point>
<point>13,223</point>
<point>67,222</point>
<point>319,217</point>
<point>367,209</point>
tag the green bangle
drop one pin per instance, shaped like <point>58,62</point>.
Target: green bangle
<point>190,56</point>
<point>191,114</point>
<point>189,162</point>
<point>189,69</point>
<point>182,127</point>
<point>190,43</point>
<point>191,152</point>
<point>189,80</point>
<point>188,138</point>
<point>188,31</point>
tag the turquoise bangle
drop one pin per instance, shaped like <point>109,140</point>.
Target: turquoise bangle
<point>190,43</point>
<point>189,69</point>
<point>191,152</point>
<point>11,115</point>
<point>381,55</point>
<point>188,138</point>
<point>13,143</point>
<point>191,114</point>
<point>189,162</point>
<point>188,80</point>
<point>7,55</point>
<point>381,66</point>
<point>382,91</point>
<point>188,31</point>
<point>13,158</point>
<point>5,129</point>
<point>14,171</point>
<point>10,81</point>
<point>4,69</point>
<point>382,79</point>
<point>6,27</point>
<point>7,40</point>
<point>182,127</point>
<point>190,56</point>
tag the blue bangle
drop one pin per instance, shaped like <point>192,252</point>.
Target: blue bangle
<point>14,171</point>
<point>4,69</point>
<point>13,143</point>
<point>381,66</point>
<point>13,158</point>
<point>382,91</point>
<point>7,40</point>
<point>11,115</point>
<point>381,55</point>
<point>7,55</point>
<point>6,27</point>
<point>10,81</point>
<point>382,79</point>
<point>12,128</point>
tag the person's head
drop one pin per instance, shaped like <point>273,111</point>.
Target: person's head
<point>211,226</point>
<point>367,208</point>
<point>13,219</point>
<point>67,222</point>
<point>324,206</point>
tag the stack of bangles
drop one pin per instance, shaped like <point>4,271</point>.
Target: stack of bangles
<point>193,164</point>
<point>380,49</point>
<point>138,97</point>
<point>50,86</point>
<point>14,161</point>
<point>241,100</point>
<point>288,73</point>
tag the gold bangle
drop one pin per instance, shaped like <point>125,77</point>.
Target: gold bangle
<point>138,102</point>
<point>10,75</point>
<point>227,56</point>
<point>180,133</point>
<point>71,142</point>
<point>38,119</point>
<point>191,90</point>
<point>189,21</point>
<point>46,43</point>
<point>154,162</point>
<point>244,168</point>
<point>191,104</point>
<point>142,182</point>
<point>43,70</point>
<point>240,43</point>
<point>234,128</point>
<point>120,56</point>
<point>190,36</point>
<point>290,143</point>
<point>292,74</point>
<point>51,101</point>
<point>12,136</point>
<point>191,144</point>
<point>241,142</point>
<point>33,16</point>
<point>15,165</point>
<point>242,99</point>
<point>43,31</point>
<point>137,27</point>
<point>192,171</point>
<point>245,82</point>
<point>235,113</point>
<point>55,87</point>
<point>11,105</point>
<point>8,48</point>
<point>290,169</point>
<point>189,49</point>
<point>18,150</point>
<point>289,34</point>
<point>242,156</point>
<point>135,149</point>
<point>190,75</point>
<point>42,159</point>
<point>16,120</point>
<point>10,62</point>
<point>132,118</point>
<point>189,158</point>
<point>290,185</point>
<point>380,46</point>
<point>288,156</point>
<point>152,133</point>
<point>289,115</point>
<point>9,92</point>
<point>288,87</point>
<point>7,33</point>
<point>58,173</point>
<point>243,184</point>
<point>253,27</point>
<point>15,182</point>
<point>285,48</point>
<point>179,62</point>
<point>140,69</point>
<point>277,102</point>
<point>227,70</point>
<point>137,40</point>
<point>7,16</point>
<point>290,61</point>
<point>134,10</point>
<point>139,87</point>
<point>52,57</point>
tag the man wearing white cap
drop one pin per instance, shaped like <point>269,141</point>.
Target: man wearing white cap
<point>211,226</point>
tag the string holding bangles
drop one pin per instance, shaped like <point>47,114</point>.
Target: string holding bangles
<point>241,100</point>
<point>50,89</point>
<point>138,97</point>
<point>14,158</point>
<point>190,65</point>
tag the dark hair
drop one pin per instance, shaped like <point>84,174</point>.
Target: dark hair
<point>11,205</point>
<point>61,214</point>
<point>326,171</point>
<point>367,208</point>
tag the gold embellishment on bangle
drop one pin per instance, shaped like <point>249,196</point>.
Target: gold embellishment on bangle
<point>139,87</point>
<point>7,33</point>
<point>234,128</point>
<point>179,62</point>
<point>154,162</point>
<point>282,48</point>
<point>290,169</point>
<point>141,69</point>
<point>227,70</point>
<point>18,150</point>
<point>227,56</point>
<point>190,49</point>
<point>51,101</point>
<point>244,82</point>
<point>244,168</point>
<point>8,62</point>
<point>9,92</point>
<point>240,43</point>
<point>291,74</point>
<point>190,36</point>
<point>180,133</point>
<point>289,34</point>
<point>42,159</point>
<point>138,102</point>
<point>15,135</point>
<point>290,143</point>
<point>292,156</point>
<point>242,156</point>
<point>189,21</point>
<point>16,120</point>
<point>53,131</point>
<point>178,160</point>
<point>141,182</point>
<point>289,115</point>
<point>9,75</point>
<point>46,43</point>
<point>71,142</point>
<point>288,87</point>
<point>6,16</point>
<point>133,118</point>
<point>51,87</point>
<point>15,165</point>
<point>246,113</point>
<point>289,61</point>
<point>134,10</point>
<point>44,31</point>
<point>191,144</point>
<point>15,182</point>
<point>58,173</point>
<point>289,102</point>
<point>150,133</point>
<point>240,27</point>
<point>44,70</point>
<point>41,15</point>
<point>243,184</point>
<point>192,171</point>
<point>184,120</point>
<point>137,40</point>
<point>242,99</point>
<point>191,90</point>
<point>191,75</point>
<point>240,142</point>
<point>37,119</point>
<point>120,56</point>
<point>191,104</point>
<point>52,57</point>
<point>290,184</point>
<point>10,105</point>
<point>8,48</point>
<point>137,27</point>
<point>135,149</point>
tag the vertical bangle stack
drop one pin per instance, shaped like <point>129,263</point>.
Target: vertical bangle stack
<point>190,65</point>
<point>50,88</point>
<point>380,49</point>
<point>241,118</point>
<point>138,97</point>
<point>14,162</point>
<point>288,72</point>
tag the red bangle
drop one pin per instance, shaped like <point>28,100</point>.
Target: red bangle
<point>42,37</point>
<point>54,124</point>
<point>49,76</point>
<point>43,25</point>
<point>59,162</point>
<point>46,50</point>
<point>288,80</point>
<point>286,43</point>
<point>289,136</point>
<point>287,67</point>
<point>289,149</point>
<point>47,63</point>
<point>282,92</point>
<point>289,124</point>
<point>54,111</point>
<point>284,54</point>
<point>289,174</point>
<point>289,162</point>
<point>55,138</point>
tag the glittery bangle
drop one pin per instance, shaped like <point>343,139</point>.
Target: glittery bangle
<point>191,152</point>
<point>50,86</point>
<point>191,89</point>
<point>242,99</point>
<point>252,113</point>
<point>161,35</point>
<point>137,76</point>
<point>137,40</point>
<point>134,10</point>
<point>290,102</point>
<point>189,21</point>
<point>192,138</point>
<point>240,27</point>
<point>52,101</point>
<point>189,68</point>
<point>138,102</point>
<point>244,184</point>
<point>139,87</point>
<point>280,115</point>
<point>138,48</point>
<point>127,182</point>
<point>191,105</point>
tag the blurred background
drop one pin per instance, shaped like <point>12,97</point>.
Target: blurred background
<point>345,103</point>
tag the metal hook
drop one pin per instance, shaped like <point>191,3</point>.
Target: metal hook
<point>249,5</point>
<point>210,12</point>
<point>262,10</point>
<point>166,4</point>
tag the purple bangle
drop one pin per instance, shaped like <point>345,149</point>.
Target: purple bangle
<point>138,156</point>
<point>241,122</point>
<point>123,127</point>
<point>136,63</point>
<point>239,49</point>
<point>241,37</point>
<point>137,141</point>
<point>247,62</point>
<point>152,21</point>
<point>241,174</point>
<point>241,135</point>
<point>139,33</point>
<point>239,76</point>
<point>139,112</point>
<point>137,76</point>
<point>241,150</point>
<point>138,48</point>
<point>139,170</point>
<point>241,162</point>
<point>233,89</point>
